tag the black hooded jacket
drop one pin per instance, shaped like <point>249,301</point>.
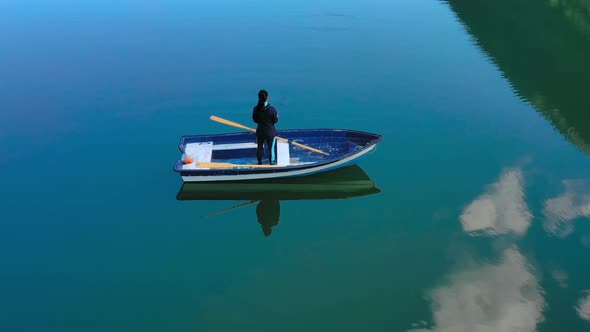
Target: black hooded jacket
<point>266,119</point>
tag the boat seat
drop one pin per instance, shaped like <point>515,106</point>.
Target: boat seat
<point>200,151</point>
<point>234,146</point>
<point>283,155</point>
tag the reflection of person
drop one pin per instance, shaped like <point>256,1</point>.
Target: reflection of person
<point>265,116</point>
<point>268,213</point>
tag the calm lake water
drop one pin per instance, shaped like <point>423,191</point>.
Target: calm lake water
<point>481,216</point>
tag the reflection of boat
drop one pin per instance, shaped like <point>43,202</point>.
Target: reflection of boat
<point>232,157</point>
<point>345,182</point>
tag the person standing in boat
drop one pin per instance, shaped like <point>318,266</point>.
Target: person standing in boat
<point>266,117</point>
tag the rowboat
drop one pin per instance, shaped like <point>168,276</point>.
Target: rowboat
<point>300,152</point>
<point>345,182</point>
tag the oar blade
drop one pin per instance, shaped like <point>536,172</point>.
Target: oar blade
<point>229,209</point>
<point>231,123</point>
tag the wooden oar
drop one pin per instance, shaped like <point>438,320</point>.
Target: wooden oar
<point>237,125</point>
<point>229,209</point>
<point>228,165</point>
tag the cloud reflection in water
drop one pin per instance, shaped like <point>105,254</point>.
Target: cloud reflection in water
<point>489,298</point>
<point>583,308</point>
<point>502,210</point>
<point>498,297</point>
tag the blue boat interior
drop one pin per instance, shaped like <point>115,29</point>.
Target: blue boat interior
<point>240,148</point>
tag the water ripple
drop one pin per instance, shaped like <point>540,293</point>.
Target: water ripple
<point>561,211</point>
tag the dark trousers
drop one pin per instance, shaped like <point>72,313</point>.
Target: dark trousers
<point>271,145</point>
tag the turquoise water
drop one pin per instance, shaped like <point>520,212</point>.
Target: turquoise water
<point>481,222</point>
